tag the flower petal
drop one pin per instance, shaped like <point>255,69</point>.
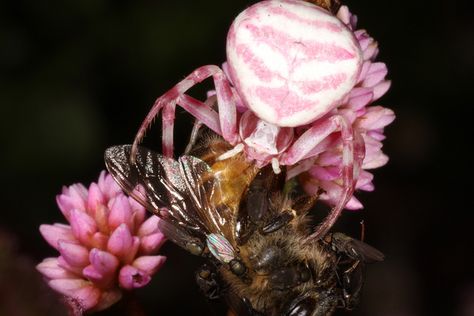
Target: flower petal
<point>74,254</point>
<point>376,161</point>
<point>95,198</point>
<point>150,226</point>
<point>103,262</point>
<point>49,268</point>
<point>326,174</point>
<point>376,117</point>
<point>93,275</point>
<point>65,265</point>
<point>381,88</point>
<point>108,298</point>
<point>108,186</point>
<point>149,264</point>
<point>53,233</point>
<point>375,75</point>
<point>354,204</point>
<point>99,240</point>
<point>152,243</point>
<point>83,226</point>
<point>364,182</point>
<point>138,211</point>
<point>131,277</point>
<point>120,212</point>
<point>83,292</point>
<point>344,15</point>
<point>122,244</point>
<point>371,51</point>
<point>361,99</point>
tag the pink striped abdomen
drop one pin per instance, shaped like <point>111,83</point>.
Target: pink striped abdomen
<point>291,61</point>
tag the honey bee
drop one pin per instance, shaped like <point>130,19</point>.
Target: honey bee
<point>250,225</point>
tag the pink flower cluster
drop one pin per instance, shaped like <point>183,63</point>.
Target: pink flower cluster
<point>369,121</point>
<point>108,247</point>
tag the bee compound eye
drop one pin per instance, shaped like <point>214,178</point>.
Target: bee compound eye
<point>237,267</point>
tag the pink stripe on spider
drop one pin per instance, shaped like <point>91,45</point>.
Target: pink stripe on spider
<point>311,49</point>
<point>330,26</point>
<point>303,54</point>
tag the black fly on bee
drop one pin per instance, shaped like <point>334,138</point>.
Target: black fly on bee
<point>252,231</point>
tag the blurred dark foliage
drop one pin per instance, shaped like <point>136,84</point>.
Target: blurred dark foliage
<point>78,76</point>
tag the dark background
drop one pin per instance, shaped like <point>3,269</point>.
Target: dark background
<point>78,76</point>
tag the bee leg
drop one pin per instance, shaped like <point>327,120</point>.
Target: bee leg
<point>300,206</point>
<point>351,283</point>
<point>277,222</point>
<point>353,254</point>
<point>209,282</point>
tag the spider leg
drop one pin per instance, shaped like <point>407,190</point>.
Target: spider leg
<point>353,153</point>
<point>211,102</point>
<point>223,123</point>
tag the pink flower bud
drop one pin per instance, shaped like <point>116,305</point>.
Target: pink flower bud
<point>95,197</point>
<point>54,233</point>
<point>83,292</point>
<point>50,269</point>
<point>151,243</point>
<point>120,212</point>
<point>74,254</point>
<point>99,244</point>
<point>131,277</point>
<point>149,264</point>
<point>83,226</point>
<point>121,242</point>
<point>150,226</point>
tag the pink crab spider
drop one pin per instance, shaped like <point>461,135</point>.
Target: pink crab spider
<point>289,64</point>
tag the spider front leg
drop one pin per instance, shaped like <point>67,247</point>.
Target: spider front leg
<point>353,151</point>
<point>223,123</point>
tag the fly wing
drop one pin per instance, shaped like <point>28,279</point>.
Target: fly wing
<point>181,237</point>
<point>183,189</point>
<point>156,183</point>
<point>205,190</point>
<point>355,249</point>
<point>364,252</point>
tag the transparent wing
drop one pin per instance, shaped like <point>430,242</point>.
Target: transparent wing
<point>154,181</point>
<point>355,249</point>
<point>181,237</point>
<point>204,189</point>
<point>364,251</point>
<point>183,189</point>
